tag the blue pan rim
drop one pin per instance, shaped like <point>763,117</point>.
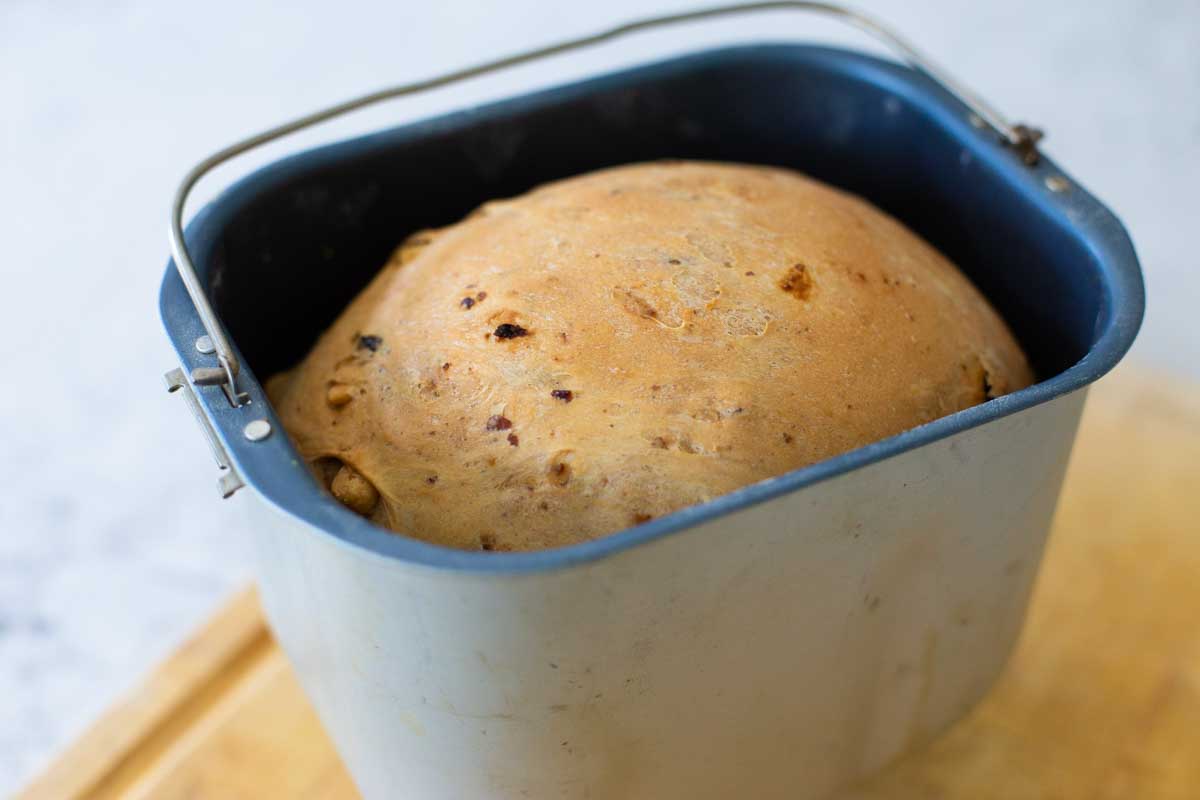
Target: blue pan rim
<point>275,471</point>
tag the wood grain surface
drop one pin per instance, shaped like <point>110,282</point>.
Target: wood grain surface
<point>1101,699</point>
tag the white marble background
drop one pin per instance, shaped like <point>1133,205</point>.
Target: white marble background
<point>113,543</point>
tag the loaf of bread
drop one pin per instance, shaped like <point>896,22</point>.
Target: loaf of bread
<point>612,347</point>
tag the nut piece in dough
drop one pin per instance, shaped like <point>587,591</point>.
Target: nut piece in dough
<point>354,491</point>
<point>338,395</point>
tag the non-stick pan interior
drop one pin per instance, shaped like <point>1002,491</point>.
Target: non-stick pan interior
<point>294,242</point>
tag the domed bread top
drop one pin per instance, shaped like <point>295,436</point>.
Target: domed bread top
<point>615,346</point>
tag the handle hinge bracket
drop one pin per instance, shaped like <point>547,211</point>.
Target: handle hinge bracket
<point>230,481</point>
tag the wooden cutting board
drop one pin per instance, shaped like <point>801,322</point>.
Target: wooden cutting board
<point>1101,700</point>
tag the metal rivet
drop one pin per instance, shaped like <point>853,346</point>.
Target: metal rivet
<point>205,345</point>
<point>1056,183</point>
<point>257,430</point>
<point>976,121</point>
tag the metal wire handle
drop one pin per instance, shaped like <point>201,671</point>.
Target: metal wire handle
<point>1021,137</point>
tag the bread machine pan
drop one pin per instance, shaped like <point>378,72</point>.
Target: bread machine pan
<point>776,642</point>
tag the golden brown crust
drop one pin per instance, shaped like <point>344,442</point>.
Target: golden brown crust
<point>615,346</point>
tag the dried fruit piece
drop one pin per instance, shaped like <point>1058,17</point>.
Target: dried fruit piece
<point>797,282</point>
<point>508,330</point>
<point>369,342</point>
<point>496,422</point>
<point>566,395</point>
